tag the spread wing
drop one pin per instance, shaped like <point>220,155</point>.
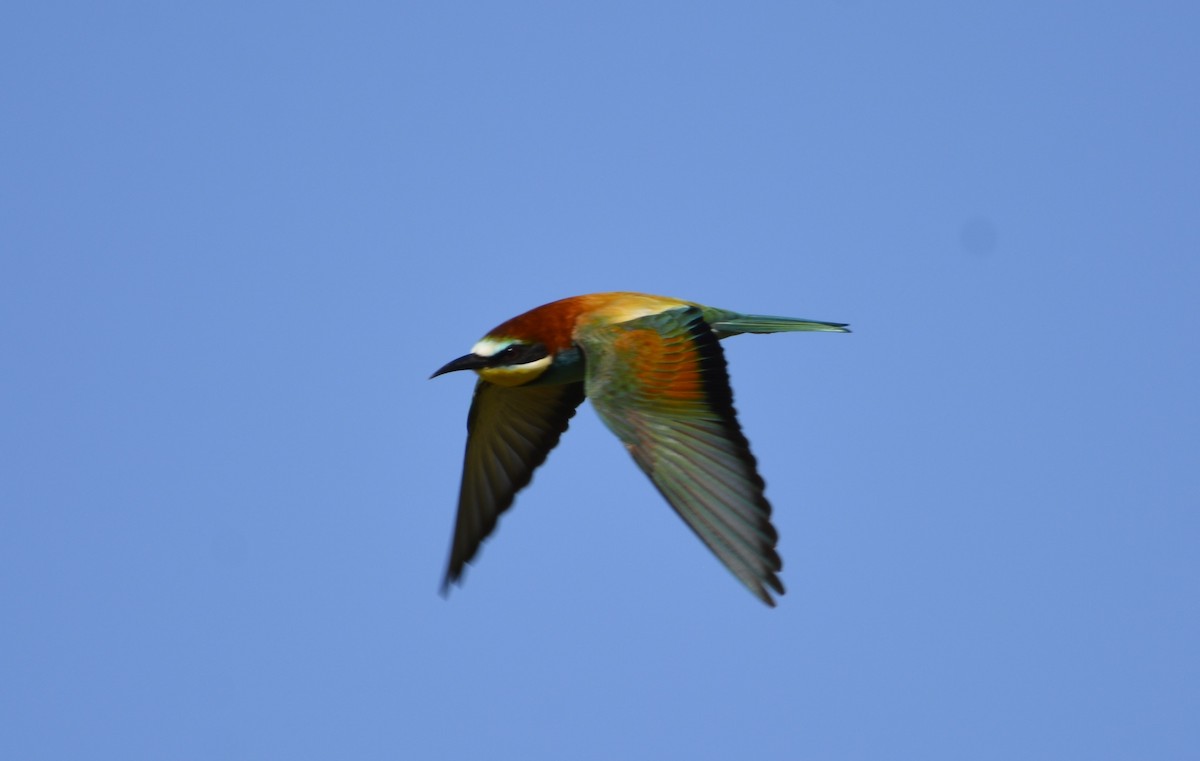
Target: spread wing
<point>509,433</point>
<point>659,382</point>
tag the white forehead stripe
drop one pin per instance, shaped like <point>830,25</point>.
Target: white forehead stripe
<point>489,347</point>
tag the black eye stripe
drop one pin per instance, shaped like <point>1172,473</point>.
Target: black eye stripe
<point>518,354</point>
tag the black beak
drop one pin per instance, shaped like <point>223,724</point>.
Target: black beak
<point>465,362</point>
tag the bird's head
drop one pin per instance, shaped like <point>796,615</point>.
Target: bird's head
<point>534,346</point>
<point>504,361</point>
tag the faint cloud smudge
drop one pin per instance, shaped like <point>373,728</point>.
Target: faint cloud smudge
<point>978,236</point>
<point>228,547</point>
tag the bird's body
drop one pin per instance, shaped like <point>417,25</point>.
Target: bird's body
<point>656,375</point>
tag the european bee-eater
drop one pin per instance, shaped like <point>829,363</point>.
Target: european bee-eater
<point>656,375</point>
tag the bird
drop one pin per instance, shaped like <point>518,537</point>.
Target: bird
<point>655,371</point>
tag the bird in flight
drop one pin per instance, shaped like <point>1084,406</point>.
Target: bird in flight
<point>655,372</point>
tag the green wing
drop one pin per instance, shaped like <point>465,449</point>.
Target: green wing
<point>659,383</point>
<point>509,433</point>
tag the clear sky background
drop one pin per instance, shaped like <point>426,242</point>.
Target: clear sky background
<point>236,238</point>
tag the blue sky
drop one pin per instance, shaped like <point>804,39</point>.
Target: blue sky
<point>235,239</point>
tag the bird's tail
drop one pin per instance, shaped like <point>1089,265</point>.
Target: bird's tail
<point>733,324</point>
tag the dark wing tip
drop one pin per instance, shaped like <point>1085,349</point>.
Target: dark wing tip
<point>453,577</point>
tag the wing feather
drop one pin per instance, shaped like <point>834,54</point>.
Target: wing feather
<point>660,383</point>
<point>510,431</point>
